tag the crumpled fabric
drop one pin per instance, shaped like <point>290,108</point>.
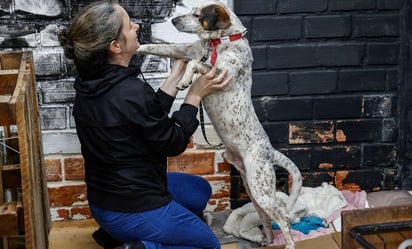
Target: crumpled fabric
<point>322,201</point>
<point>244,222</point>
<point>305,225</point>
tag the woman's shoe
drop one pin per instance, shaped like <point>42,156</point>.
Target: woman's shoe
<point>132,245</point>
<point>105,240</point>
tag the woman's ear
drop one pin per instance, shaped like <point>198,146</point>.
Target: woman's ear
<point>114,47</point>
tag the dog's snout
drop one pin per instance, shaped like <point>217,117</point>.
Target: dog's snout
<point>175,20</point>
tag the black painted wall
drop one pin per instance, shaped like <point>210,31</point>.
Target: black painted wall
<point>405,102</point>
<point>331,87</point>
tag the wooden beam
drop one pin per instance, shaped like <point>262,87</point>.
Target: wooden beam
<point>354,218</point>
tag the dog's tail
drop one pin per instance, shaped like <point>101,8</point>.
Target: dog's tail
<point>296,186</point>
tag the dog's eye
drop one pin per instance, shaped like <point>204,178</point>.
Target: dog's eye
<point>196,15</point>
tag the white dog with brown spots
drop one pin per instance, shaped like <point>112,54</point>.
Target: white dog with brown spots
<point>247,146</point>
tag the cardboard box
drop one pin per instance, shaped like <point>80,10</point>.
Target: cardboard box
<point>331,241</point>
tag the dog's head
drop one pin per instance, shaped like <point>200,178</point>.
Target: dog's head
<point>211,20</point>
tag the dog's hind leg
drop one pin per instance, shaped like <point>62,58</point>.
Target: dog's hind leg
<point>261,179</point>
<point>280,217</point>
<point>266,220</point>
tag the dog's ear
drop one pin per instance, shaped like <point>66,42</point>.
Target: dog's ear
<point>214,17</point>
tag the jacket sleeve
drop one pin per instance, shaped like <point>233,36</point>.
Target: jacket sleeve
<point>165,99</point>
<point>166,135</point>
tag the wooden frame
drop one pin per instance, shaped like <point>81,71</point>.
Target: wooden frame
<point>381,215</point>
<point>19,107</point>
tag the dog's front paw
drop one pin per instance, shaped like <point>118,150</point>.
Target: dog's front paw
<point>182,85</point>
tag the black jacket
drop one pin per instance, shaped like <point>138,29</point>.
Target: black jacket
<point>126,136</point>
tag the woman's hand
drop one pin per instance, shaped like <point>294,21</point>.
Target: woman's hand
<point>207,84</point>
<point>178,69</point>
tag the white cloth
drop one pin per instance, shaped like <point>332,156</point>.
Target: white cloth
<point>320,201</point>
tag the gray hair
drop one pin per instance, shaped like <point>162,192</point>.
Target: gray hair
<point>87,39</point>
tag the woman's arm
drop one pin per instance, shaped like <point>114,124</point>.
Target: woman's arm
<point>178,69</point>
<point>205,85</point>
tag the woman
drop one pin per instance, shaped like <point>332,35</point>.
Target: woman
<point>126,136</point>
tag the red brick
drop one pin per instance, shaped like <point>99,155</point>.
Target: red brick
<point>53,170</point>
<point>81,213</point>
<point>220,185</point>
<point>63,213</point>
<point>220,204</point>
<point>223,167</point>
<point>74,168</point>
<point>69,195</point>
<point>193,162</point>
<point>340,178</point>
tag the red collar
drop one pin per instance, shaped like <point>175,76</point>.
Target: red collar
<point>214,43</point>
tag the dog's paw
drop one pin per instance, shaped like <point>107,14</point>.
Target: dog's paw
<point>265,243</point>
<point>183,85</point>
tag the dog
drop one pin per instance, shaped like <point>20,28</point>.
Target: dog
<point>223,43</point>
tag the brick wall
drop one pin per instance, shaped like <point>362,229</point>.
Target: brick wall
<point>329,77</point>
<point>27,25</point>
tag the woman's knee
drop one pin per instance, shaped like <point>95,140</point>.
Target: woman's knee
<point>191,191</point>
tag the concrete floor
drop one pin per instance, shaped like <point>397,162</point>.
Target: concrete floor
<point>77,234</point>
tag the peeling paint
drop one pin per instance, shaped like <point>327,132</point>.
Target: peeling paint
<point>80,203</point>
<point>340,176</point>
<point>325,166</point>
<point>321,132</point>
<point>220,188</point>
<point>40,7</point>
<point>80,217</point>
<point>340,136</point>
<point>55,214</point>
<point>220,204</point>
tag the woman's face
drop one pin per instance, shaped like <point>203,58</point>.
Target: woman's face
<point>128,40</point>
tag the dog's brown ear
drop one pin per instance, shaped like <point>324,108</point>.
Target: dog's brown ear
<point>214,17</point>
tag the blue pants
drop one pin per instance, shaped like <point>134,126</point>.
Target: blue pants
<point>173,226</point>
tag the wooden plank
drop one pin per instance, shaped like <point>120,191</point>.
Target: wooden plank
<point>21,82</point>
<point>9,72</point>
<point>10,60</point>
<point>5,98</point>
<point>7,83</point>
<point>31,163</point>
<point>1,177</point>
<point>23,111</point>
<point>73,234</point>
<point>11,167</point>
<point>11,177</point>
<point>355,218</point>
<point>5,118</point>
<point>38,151</point>
<point>8,219</point>
<point>26,174</point>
